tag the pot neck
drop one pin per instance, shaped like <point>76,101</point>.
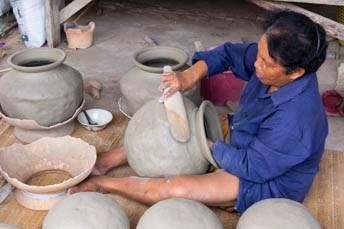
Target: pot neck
<point>36,59</point>
<point>153,59</point>
<point>207,125</point>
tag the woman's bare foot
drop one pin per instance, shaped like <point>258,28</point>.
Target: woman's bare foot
<point>109,160</point>
<point>91,184</point>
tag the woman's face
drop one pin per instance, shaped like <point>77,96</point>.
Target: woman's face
<point>270,72</point>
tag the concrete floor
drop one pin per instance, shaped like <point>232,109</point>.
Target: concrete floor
<point>123,25</point>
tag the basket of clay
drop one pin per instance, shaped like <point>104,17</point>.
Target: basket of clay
<point>44,170</point>
<point>79,36</point>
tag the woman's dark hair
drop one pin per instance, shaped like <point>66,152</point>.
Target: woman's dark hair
<point>295,41</point>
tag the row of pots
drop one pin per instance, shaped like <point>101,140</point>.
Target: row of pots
<point>41,96</point>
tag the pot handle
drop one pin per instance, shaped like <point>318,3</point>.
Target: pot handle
<point>176,115</point>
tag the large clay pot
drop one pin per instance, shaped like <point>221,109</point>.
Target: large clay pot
<point>153,152</point>
<point>40,87</point>
<point>141,83</point>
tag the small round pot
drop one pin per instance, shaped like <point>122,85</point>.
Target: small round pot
<point>153,152</point>
<point>141,84</point>
<point>40,87</point>
<point>79,36</point>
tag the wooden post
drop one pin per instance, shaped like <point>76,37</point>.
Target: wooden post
<point>324,2</point>
<point>333,28</point>
<point>52,23</point>
<point>72,8</point>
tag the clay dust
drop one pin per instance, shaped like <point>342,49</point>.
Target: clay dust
<point>179,125</point>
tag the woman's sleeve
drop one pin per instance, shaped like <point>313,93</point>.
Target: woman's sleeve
<point>240,58</point>
<point>277,147</point>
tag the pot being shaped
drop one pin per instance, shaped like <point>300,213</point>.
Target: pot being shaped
<point>141,83</point>
<point>43,170</point>
<point>153,152</point>
<point>40,87</point>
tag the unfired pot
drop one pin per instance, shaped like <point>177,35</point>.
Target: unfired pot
<point>179,213</point>
<point>40,87</point>
<point>153,152</point>
<point>277,213</point>
<point>141,83</point>
<point>86,210</point>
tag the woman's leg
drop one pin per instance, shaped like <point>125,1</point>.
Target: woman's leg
<point>217,188</point>
<point>109,160</point>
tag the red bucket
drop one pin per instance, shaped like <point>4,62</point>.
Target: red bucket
<point>221,88</point>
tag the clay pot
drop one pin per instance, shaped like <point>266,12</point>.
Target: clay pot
<point>87,210</point>
<point>277,213</point>
<point>79,36</point>
<point>43,170</point>
<point>153,152</point>
<point>141,83</point>
<point>179,213</point>
<point>29,130</point>
<point>40,87</point>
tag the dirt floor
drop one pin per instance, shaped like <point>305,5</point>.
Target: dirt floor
<point>122,25</point>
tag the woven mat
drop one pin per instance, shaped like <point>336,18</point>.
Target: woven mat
<point>325,200</point>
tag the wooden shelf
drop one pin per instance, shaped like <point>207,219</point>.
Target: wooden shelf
<point>333,28</point>
<point>324,2</point>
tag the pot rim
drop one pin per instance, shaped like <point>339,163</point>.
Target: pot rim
<point>201,131</point>
<point>183,58</point>
<point>58,56</point>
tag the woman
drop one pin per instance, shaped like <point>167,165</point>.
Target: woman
<point>277,135</point>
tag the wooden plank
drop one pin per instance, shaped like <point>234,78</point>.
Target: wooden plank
<point>72,8</point>
<point>52,23</point>
<point>333,28</point>
<point>324,2</point>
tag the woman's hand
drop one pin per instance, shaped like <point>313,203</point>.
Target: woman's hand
<point>92,184</point>
<point>172,82</point>
<point>210,143</point>
<point>182,81</point>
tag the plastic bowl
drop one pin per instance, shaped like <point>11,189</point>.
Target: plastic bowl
<point>100,116</point>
